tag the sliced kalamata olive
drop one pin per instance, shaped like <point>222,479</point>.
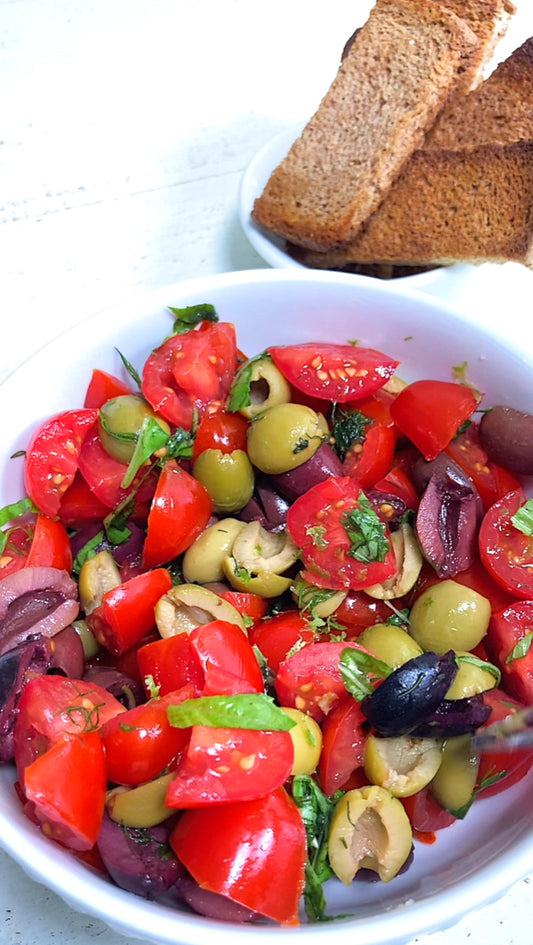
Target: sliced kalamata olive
<point>127,690</point>
<point>66,653</point>
<point>405,699</point>
<point>321,465</point>
<point>266,506</point>
<point>35,601</point>
<point>388,506</point>
<point>129,549</point>
<point>447,517</point>
<point>455,717</point>
<point>31,658</point>
<point>140,861</point>
<point>212,904</point>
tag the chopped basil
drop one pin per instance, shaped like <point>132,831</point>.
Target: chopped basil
<point>129,368</point>
<point>366,532</point>
<point>150,438</point>
<point>191,315</point>
<point>15,510</point>
<point>240,392</point>
<point>348,428</point>
<point>489,779</point>
<point>523,518</point>
<point>359,670</point>
<point>254,710</point>
<point>317,534</point>
<point>481,664</point>
<point>521,649</point>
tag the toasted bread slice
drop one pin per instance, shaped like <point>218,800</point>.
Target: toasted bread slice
<point>394,79</point>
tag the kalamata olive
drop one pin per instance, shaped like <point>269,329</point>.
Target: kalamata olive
<point>127,690</point>
<point>35,601</point>
<point>412,692</point>
<point>212,904</point>
<point>449,615</point>
<point>447,516</point>
<point>28,659</point>
<point>267,506</point>
<point>285,436</point>
<point>321,465</point>
<point>66,653</point>
<point>140,861</point>
<point>507,436</point>
<point>454,717</point>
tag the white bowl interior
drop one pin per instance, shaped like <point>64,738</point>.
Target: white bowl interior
<point>472,862</point>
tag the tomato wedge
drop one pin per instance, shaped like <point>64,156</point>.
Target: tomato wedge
<point>126,613</point>
<point>104,475</point>
<point>491,480</point>
<point>52,457</point>
<point>103,387</point>
<point>180,510</point>
<point>507,552</point>
<point>310,679</point>
<point>510,638</point>
<point>227,659</point>
<point>40,543</point>
<point>254,852</point>
<point>344,543</point>
<point>430,412</point>
<point>276,636</point>
<point>498,770</point>
<point>343,744</point>
<point>334,372</point>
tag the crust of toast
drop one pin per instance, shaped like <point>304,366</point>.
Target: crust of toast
<point>393,81</point>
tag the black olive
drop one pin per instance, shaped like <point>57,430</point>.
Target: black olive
<point>411,693</point>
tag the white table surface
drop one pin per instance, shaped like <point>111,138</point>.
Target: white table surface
<point>125,127</point>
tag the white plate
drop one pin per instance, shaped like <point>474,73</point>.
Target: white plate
<point>472,863</point>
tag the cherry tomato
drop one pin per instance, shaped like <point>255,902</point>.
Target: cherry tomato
<point>343,744</point>
<point>507,552</point>
<point>221,765</point>
<point>370,458</point>
<point>254,852</point>
<point>52,457</point>
<point>510,637</point>
<point>66,788</point>
<point>17,545</point>
<point>227,659</point>
<point>141,743</point>
<point>430,412</point>
<point>491,480</point>
<point>251,606</point>
<point>323,522</point>
<point>220,430</point>
<point>397,482</point>
<point>80,506</point>
<point>310,679</point>
<point>180,510</point>
<point>51,707</point>
<point>170,663</point>
<point>334,372</point>
<point>425,814</point>
<point>189,371</point>
<point>103,387</point>
<point>104,475</point>
<point>358,611</point>
<point>276,636</point>
<point>127,611</point>
<point>40,543</point>
<point>499,770</point>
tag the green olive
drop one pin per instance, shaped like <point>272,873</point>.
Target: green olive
<point>267,385</point>
<point>257,550</point>
<point>228,477</point>
<point>98,575</point>
<point>315,602</point>
<point>141,806</point>
<point>307,740</point>
<point>403,765</point>
<point>187,606</point>
<point>449,616</point>
<point>119,423</point>
<point>390,643</point>
<point>202,562</point>
<point>285,436</point>
<point>473,676</point>
<point>89,642</point>
<point>265,583</point>
<point>454,783</point>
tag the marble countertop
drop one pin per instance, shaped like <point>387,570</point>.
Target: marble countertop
<point>125,129</point>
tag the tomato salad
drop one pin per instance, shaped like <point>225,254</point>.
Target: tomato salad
<point>253,610</point>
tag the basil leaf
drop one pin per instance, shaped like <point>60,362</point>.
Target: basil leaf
<point>521,649</point>
<point>15,510</point>
<point>254,710</point>
<point>348,427</point>
<point>366,532</point>
<point>129,368</point>
<point>240,391</point>
<point>151,438</point>
<point>191,315</point>
<point>481,664</point>
<point>358,671</point>
<point>523,518</point>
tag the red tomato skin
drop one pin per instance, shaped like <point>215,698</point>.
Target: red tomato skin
<point>507,628</point>
<point>104,475</point>
<point>372,458</point>
<point>255,853</point>
<point>251,606</point>
<point>52,457</point>
<point>126,613</point>
<point>310,679</point>
<point>343,744</point>
<point>276,636</point>
<point>80,506</point>
<point>511,765</point>
<point>172,664</point>
<point>52,707</point>
<point>506,552</point>
<point>358,611</point>
<point>65,789</point>
<point>15,553</point>
<point>334,372</point>
<point>140,744</point>
<point>429,413</point>
<point>180,511</point>
<point>220,430</point>
<point>425,814</point>
<point>103,387</point>
<point>222,647</point>
<point>221,765</point>
<point>50,547</point>
<point>327,561</point>
<point>397,482</point>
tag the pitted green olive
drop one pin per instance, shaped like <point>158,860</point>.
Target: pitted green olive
<point>141,806</point>
<point>202,562</point>
<point>389,643</point>
<point>97,575</point>
<point>307,740</point>
<point>256,550</point>
<point>316,601</point>
<point>187,606</point>
<point>285,436</point>
<point>89,642</point>
<point>119,422</point>
<point>455,781</point>
<point>403,765</point>
<point>408,564</point>
<point>473,676</point>
<point>267,386</point>
<point>449,616</point>
<point>228,477</point>
<point>369,830</point>
<point>264,583</point>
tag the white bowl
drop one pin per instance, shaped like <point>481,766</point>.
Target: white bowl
<point>473,862</point>
<point>273,249</point>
